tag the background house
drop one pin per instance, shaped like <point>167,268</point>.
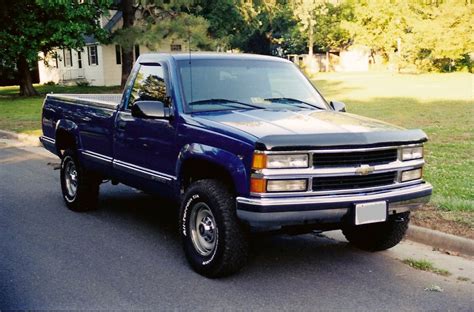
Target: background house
<point>95,63</point>
<point>352,60</point>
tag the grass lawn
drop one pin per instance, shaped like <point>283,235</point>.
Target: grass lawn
<point>23,115</point>
<point>440,104</point>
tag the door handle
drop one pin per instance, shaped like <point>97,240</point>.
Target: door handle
<point>123,117</point>
<point>122,121</point>
<point>121,124</point>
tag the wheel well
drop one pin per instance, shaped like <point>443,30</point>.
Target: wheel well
<point>64,140</point>
<point>194,169</point>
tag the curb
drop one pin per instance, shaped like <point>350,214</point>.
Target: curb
<point>441,240</point>
<point>24,138</point>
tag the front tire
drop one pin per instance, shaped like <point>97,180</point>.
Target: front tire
<point>80,188</point>
<point>214,241</point>
<point>378,236</point>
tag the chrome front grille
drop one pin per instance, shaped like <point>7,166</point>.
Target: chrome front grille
<point>345,171</point>
<point>353,182</point>
<point>353,158</point>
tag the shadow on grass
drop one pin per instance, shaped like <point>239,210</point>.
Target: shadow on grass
<point>332,90</point>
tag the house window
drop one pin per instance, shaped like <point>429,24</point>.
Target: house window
<point>67,55</point>
<point>79,59</point>
<point>137,51</point>
<point>56,60</point>
<point>176,47</point>
<point>118,55</point>
<point>92,55</point>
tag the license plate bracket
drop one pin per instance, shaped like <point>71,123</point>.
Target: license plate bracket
<point>366,213</point>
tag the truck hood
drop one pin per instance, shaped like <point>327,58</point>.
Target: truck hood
<point>280,129</point>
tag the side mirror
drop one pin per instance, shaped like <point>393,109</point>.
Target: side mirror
<point>150,109</point>
<point>338,106</point>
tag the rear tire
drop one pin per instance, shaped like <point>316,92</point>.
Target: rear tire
<point>80,188</point>
<point>214,241</point>
<point>378,236</point>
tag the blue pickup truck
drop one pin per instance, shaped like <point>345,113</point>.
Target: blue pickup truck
<point>243,143</point>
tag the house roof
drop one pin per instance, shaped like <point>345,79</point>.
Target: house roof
<point>113,21</point>
<point>90,40</point>
<point>109,26</point>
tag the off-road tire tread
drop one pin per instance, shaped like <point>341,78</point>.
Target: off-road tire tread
<point>235,238</point>
<point>378,236</point>
<point>88,186</point>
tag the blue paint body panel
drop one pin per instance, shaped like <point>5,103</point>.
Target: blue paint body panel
<point>149,154</point>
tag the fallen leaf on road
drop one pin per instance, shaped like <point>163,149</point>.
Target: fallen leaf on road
<point>448,252</point>
<point>434,288</point>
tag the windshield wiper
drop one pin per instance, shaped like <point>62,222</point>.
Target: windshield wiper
<point>223,101</point>
<point>285,100</point>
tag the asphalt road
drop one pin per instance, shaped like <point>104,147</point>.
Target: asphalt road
<point>127,255</point>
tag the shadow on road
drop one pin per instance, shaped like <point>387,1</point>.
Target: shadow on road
<point>127,255</point>
<point>153,216</point>
<point>148,210</point>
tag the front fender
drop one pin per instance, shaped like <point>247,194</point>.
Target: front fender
<point>222,158</point>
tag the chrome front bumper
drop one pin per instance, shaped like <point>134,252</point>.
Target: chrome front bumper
<point>277,212</point>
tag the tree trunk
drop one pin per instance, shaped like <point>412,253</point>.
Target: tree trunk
<point>128,16</point>
<point>310,43</point>
<point>327,60</point>
<point>26,83</point>
<point>127,65</point>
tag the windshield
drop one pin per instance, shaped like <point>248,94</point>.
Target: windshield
<point>220,84</point>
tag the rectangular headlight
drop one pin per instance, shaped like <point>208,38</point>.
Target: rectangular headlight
<point>286,185</point>
<point>287,161</point>
<point>409,153</point>
<point>410,175</point>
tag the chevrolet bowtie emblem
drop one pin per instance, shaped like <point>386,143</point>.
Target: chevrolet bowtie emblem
<point>365,170</point>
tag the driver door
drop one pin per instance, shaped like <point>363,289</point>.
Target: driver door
<point>144,149</point>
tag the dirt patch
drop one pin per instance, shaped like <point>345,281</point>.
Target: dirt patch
<point>456,223</point>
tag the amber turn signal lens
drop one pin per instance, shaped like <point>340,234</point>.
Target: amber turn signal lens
<point>258,185</point>
<point>259,161</point>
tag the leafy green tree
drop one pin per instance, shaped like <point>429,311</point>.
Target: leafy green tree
<point>226,23</point>
<point>29,27</point>
<point>149,22</point>
<point>428,35</point>
<point>307,13</point>
<point>319,24</point>
<point>380,24</point>
<point>441,36</point>
<point>266,25</point>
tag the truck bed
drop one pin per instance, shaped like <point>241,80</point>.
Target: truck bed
<point>109,101</point>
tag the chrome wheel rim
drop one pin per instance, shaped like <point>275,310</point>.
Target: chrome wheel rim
<point>70,179</point>
<point>203,229</point>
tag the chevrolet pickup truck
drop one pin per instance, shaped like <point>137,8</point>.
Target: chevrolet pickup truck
<point>243,143</point>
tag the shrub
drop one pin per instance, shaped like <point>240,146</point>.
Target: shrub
<point>83,83</point>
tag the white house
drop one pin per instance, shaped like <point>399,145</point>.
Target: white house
<point>98,64</point>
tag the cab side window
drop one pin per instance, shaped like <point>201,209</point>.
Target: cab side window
<point>149,85</point>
